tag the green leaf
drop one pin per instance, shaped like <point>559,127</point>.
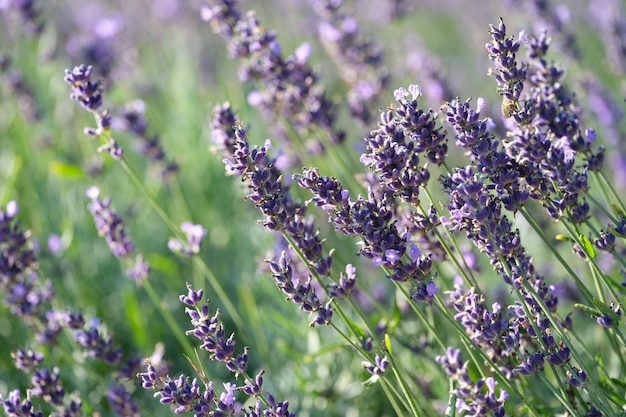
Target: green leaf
<point>588,247</point>
<point>451,408</point>
<point>588,309</point>
<point>368,383</point>
<point>388,344</point>
<point>162,263</point>
<point>135,318</point>
<point>395,318</point>
<point>355,327</point>
<point>619,383</point>
<point>66,170</point>
<point>618,211</point>
<point>563,238</point>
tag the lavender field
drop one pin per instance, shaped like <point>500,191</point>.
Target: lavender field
<point>312,208</point>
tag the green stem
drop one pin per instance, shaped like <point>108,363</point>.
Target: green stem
<point>180,336</point>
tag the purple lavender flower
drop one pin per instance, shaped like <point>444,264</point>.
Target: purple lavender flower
<point>111,227</point>
<point>301,293</point>
<point>377,368</point>
<point>472,397</point>
<point>393,150</point>
<point>140,269</point>
<point>14,406</point>
<point>122,402</point>
<point>489,329</point>
<point>133,120</point>
<point>29,300</point>
<point>555,20</point>
<point>223,132</point>
<point>109,224</point>
<point>371,220</point>
<point>271,195</point>
<point>18,278</point>
<point>287,87</point>
<point>87,92</point>
<point>210,330</point>
<point>27,360</point>
<point>611,318</point>
<point>502,51</point>
<point>47,386</point>
<point>98,346</point>
<point>223,16</point>
<point>577,378</point>
<point>474,134</point>
<point>347,282</point>
<point>547,138</point>
<point>186,394</point>
<point>606,241</point>
<point>358,59</point>
<point>194,233</point>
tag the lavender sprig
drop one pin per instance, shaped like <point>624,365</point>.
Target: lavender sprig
<point>89,94</point>
<point>187,395</point>
<point>471,396</point>
<point>393,150</point>
<point>556,20</point>
<point>194,234</point>
<point>507,72</point>
<point>372,221</point>
<point>359,59</point>
<point>111,227</point>
<point>473,206</point>
<point>29,299</point>
<point>548,135</point>
<point>271,195</point>
<point>287,87</point>
<point>134,121</point>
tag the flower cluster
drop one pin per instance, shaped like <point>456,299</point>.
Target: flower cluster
<point>194,234</point>
<point>281,213</point>
<point>372,221</point>
<point>287,87</point>
<point>451,233</point>
<point>187,394</point>
<point>132,120</point>
<point>393,149</point>
<point>477,398</point>
<point>547,137</point>
<point>358,59</point>
<point>89,94</point>
<point>110,226</point>
<point>29,300</point>
<point>302,293</point>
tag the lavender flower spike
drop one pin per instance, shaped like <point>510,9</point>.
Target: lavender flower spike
<point>111,227</point>
<point>109,224</point>
<point>89,94</point>
<point>187,394</point>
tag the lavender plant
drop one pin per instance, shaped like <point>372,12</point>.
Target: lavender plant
<point>466,260</point>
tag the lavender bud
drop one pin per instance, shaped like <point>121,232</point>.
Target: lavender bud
<point>109,224</point>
